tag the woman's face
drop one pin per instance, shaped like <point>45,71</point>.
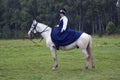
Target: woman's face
<point>61,15</point>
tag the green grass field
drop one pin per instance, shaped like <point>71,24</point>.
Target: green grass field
<point>22,60</point>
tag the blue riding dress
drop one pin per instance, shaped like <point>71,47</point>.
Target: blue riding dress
<point>65,38</point>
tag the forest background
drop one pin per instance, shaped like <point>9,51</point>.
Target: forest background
<point>90,16</point>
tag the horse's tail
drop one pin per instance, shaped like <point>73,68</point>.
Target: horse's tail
<point>90,42</point>
<point>89,46</point>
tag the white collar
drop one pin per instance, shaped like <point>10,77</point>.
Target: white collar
<point>62,17</point>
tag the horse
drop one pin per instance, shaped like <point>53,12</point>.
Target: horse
<point>118,3</point>
<point>84,42</point>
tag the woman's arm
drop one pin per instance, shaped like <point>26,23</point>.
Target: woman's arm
<point>65,21</point>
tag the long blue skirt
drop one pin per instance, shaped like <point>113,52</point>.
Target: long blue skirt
<point>65,38</point>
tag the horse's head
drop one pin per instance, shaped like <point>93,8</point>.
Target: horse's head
<point>33,29</point>
<point>37,27</point>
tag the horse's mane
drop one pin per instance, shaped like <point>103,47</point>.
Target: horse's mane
<point>43,24</point>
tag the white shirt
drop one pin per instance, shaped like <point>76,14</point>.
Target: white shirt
<point>65,21</point>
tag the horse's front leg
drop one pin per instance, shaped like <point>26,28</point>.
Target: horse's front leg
<point>54,55</point>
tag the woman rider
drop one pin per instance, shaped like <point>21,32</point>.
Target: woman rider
<point>62,35</point>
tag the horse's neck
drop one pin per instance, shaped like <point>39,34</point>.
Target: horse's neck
<point>46,33</point>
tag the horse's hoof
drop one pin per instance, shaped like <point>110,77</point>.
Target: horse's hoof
<point>54,69</point>
<point>85,69</point>
<point>93,68</point>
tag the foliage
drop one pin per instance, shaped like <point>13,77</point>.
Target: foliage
<point>90,16</point>
<point>111,28</point>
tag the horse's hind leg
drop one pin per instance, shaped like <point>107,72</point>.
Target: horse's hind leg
<point>84,51</point>
<point>92,62</point>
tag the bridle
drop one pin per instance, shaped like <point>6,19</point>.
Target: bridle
<point>34,28</point>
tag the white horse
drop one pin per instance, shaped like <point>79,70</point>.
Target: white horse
<point>84,43</point>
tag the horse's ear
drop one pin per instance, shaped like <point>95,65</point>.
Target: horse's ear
<point>34,21</point>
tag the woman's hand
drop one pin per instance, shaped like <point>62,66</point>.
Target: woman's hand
<point>62,30</point>
<point>57,26</point>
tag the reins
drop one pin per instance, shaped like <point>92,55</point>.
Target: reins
<point>36,43</point>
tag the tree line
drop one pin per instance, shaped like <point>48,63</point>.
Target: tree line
<point>90,16</point>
